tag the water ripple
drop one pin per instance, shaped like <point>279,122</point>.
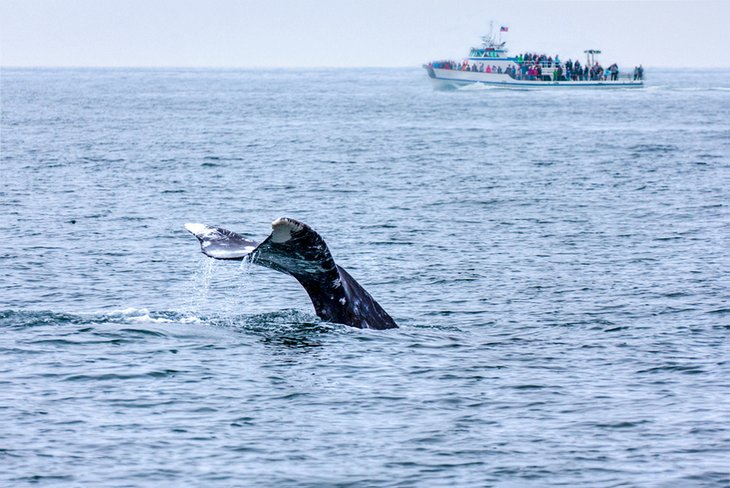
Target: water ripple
<point>559,279</point>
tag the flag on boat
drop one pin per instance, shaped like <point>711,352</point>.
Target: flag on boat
<point>504,29</point>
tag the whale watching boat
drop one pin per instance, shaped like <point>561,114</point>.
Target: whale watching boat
<point>491,65</point>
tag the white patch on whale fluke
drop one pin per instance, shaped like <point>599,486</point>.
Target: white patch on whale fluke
<point>199,230</point>
<point>229,253</point>
<point>282,230</point>
<point>218,245</point>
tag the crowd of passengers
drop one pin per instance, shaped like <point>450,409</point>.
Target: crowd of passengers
<point>530,66</point>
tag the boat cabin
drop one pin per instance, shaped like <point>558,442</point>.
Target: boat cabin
<point>486,52</point>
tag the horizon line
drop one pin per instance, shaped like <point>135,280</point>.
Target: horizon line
<point>264,67</point>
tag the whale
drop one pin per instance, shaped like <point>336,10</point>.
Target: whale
<point>294,248</point>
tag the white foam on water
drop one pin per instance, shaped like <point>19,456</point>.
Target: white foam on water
<point>132,314</point>
<point>124,311</point>
<point>477,87</point>
<point>190,320</point>
<point>148,318</point>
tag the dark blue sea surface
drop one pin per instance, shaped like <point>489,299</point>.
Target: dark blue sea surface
<point>558,263</point>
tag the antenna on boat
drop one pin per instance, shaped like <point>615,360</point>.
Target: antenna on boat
<point>488,40</point>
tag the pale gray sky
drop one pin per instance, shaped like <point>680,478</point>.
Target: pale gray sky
<point>230,33</point>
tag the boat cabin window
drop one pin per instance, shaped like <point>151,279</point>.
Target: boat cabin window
<point>483,53</point>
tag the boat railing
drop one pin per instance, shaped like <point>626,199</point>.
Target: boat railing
<point>543,64</point>
<point>622,77</point>
<point>548,73</point>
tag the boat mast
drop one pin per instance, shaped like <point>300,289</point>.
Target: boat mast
<point>488,40</point>
<point>591,56</point>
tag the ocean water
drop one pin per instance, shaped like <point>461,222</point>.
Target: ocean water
<point>557,263</point>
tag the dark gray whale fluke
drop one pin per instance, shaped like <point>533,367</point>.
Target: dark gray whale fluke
<point>296,249</point>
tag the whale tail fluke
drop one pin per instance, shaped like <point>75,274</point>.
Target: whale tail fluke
<point>298,250</point>
<point>220,243</point>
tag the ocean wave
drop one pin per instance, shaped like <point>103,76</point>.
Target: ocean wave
<point>131,315</point>
<point>477,87</point>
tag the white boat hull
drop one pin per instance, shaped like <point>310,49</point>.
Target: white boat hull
<point>450,79</point>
